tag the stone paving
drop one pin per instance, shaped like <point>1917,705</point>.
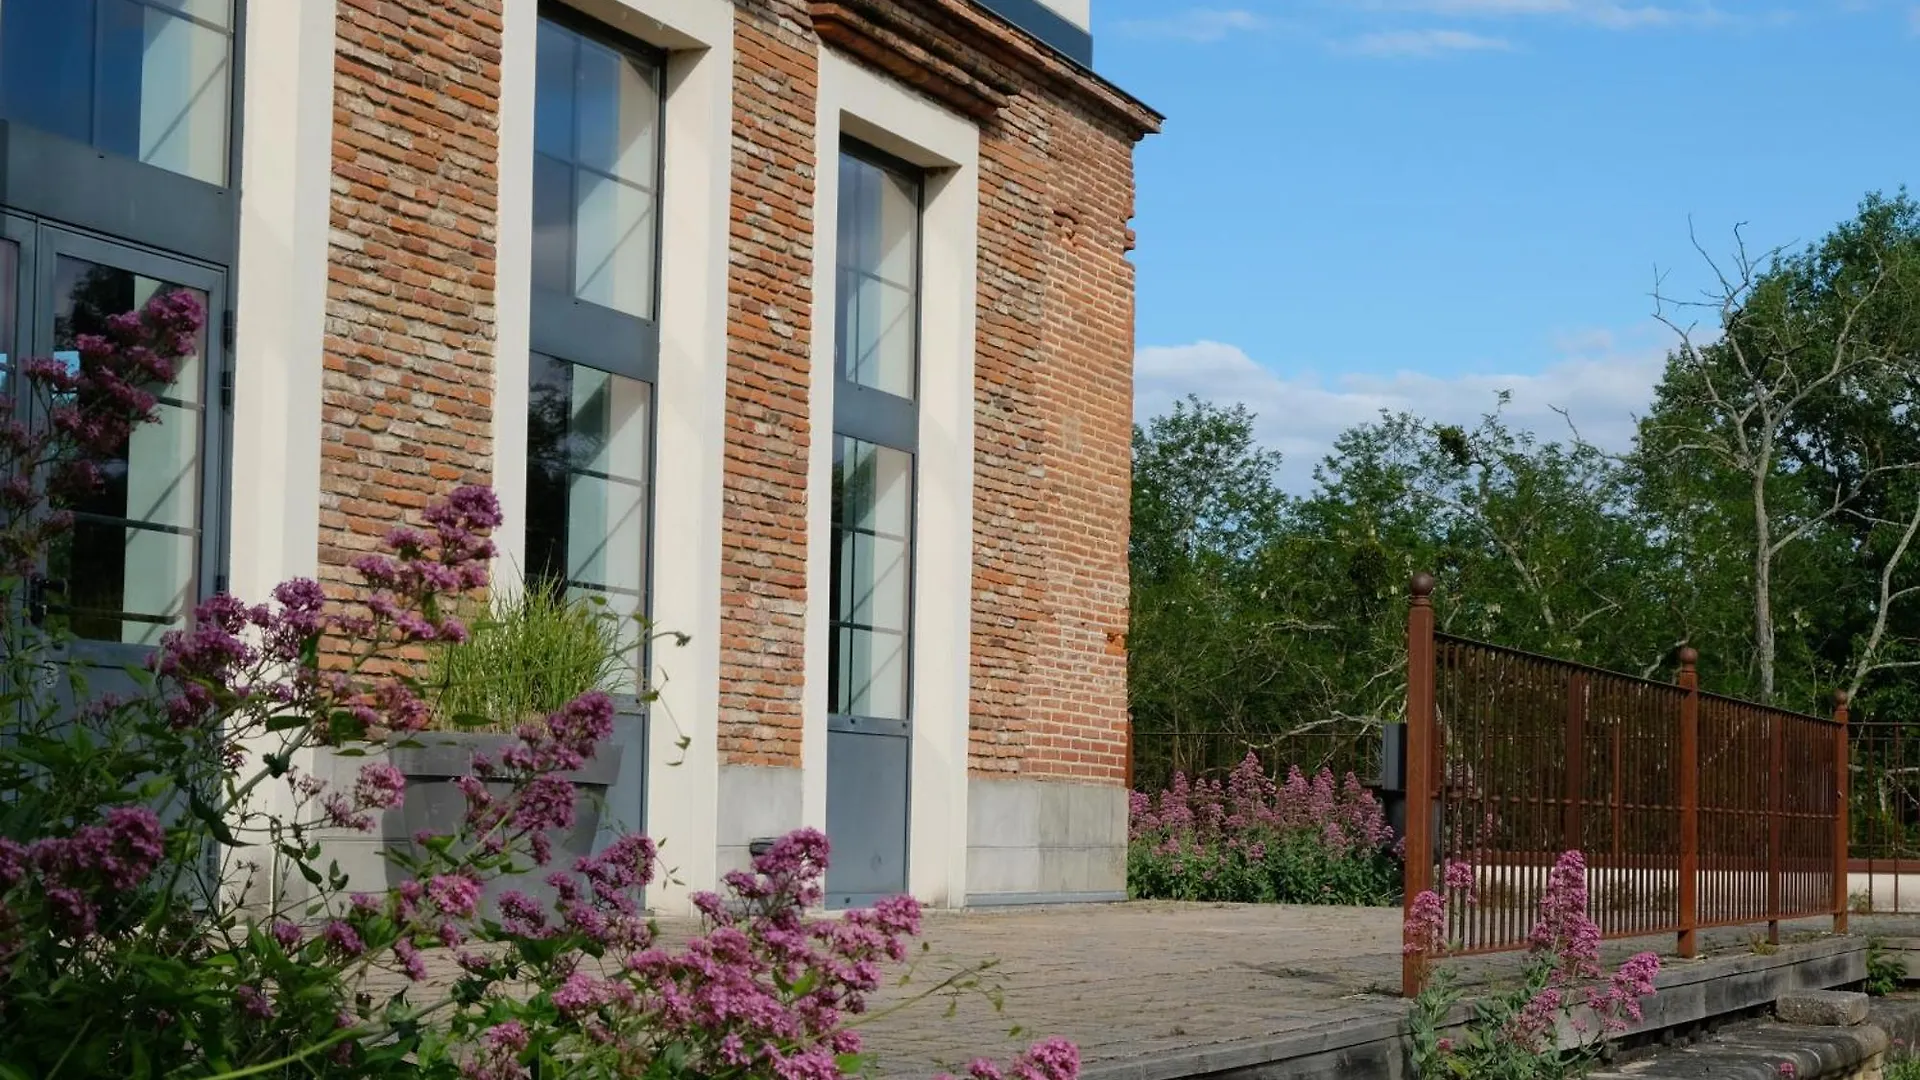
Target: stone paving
<point>1135,981</point>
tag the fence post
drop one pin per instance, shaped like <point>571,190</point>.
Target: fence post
<point>1776,807</point>
<point>1689,681</point>
<point>1417,869</point>
<point>1574,821</point>
<point>1841,836</point>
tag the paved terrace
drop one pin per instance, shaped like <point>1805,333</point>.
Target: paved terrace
<point>1134,982</point>
<point>1148,989</point>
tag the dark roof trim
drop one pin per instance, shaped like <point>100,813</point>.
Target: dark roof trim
<point>1047,26</point>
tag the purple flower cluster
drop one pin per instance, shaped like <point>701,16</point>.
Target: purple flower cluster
<point>93,868</point>
<point>1564,948</point>
<point>1344,814</point>
<point>91,407</point>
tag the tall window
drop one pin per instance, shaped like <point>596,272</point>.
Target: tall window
<point>145,79</point>
<point>597,151</point>
<point>875,423</point>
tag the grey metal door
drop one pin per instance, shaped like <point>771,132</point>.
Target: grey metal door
<point>869,730</point>
<point>143,550</point>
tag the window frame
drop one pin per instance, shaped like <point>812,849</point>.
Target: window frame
<point>578,331</point>
<point>567,330</point>
<point>887,421</point>
<point>865,412</point>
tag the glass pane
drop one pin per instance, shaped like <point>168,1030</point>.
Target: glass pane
<point>619,114</point>
<point>870,674</point>
<point>130,562</point>
<point>46,66</point>
<point>613,253</point>
<point>871,571</point>
<point>124,583</point>
<point>553,91</point>
<point>552,224</point>
<point>587,509</point>
<point>217,12</point>
<point>183,95</point>
<point>127,77</point>
<point>877,488</point>
<point>873,581</point>
<point>876,302</point>
<point>877,333</point>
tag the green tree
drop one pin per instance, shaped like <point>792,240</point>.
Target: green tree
<point>1782,453</point>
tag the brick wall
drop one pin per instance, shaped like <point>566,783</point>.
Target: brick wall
<point>1053,391</point>
<point>1086,401</point>
<point>1054,403</point>
<point>769,338</point>
<point>406,395</point>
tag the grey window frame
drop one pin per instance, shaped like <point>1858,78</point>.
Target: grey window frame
<point>119,200</point>
<point>864,412</point>
<point>580,331</point>
<point>886,420</point>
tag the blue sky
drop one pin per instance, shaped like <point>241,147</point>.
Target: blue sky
<point>1414,203</point>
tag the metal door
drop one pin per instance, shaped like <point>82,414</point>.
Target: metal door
<point>141,552</point>
<point>869,729</point>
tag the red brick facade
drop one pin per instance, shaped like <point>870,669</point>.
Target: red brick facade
<point>1053,384</point>
<point>408,385</point>
<point>763,553</point>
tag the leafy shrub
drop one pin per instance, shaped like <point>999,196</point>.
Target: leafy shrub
<point>528,654</point>
<point>1884,973</point>
<point>1515,1034</point>
<point>1251,840</point>
<point>147,840</point>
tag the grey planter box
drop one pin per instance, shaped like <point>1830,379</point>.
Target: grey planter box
<point>610,791</point>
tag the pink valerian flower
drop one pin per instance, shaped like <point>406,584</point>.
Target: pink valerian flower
<point>254,1003</point>
<point>455,894</point>
<point>412,962</point>
<point>1563,928</point>
<point>94,865</point>
<point>343,939</point>
<point>1618,1003</point>
<point>1531,1027</point>
<point>287,934</point>
<point>1425,932</point>
<point>1457,878</point>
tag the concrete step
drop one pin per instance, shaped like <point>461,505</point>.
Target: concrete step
<point>1760,1051</point>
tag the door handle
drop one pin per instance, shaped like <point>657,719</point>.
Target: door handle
<point>38,588</point>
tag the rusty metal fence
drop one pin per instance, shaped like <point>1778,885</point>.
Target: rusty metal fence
<point>1884,858</point>
<point>1692,810</point>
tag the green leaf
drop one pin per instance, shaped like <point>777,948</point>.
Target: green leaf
<point>211,816</point>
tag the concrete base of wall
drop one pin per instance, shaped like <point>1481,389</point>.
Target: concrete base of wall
<point>756,802</point>
<point>1044,842</point>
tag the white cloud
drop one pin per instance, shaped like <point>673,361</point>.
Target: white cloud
<point>1423,43</point>
<point>1200,25</point>
<point>1600,385</point>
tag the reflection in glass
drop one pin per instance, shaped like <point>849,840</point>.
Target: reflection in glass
<point>872,572</point>
<point>148,79</point>
<point>597,143</point>
<point>587,446</point>
<point>129,563</point>
<point>876,307</point>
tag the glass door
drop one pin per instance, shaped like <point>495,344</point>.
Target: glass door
<point>136,560</point>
